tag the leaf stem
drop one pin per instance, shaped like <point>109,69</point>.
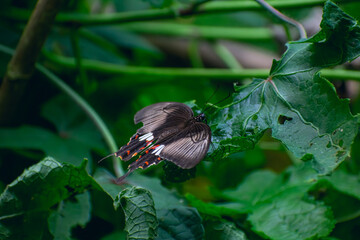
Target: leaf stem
<point>226,56</point>
<point>99,123</point>
<point>185,73</point>
<point>284,18</point>
<point>194,53</point>
<point>207,32</point>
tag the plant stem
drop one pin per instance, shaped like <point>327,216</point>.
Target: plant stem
<point>99,123</point>
<point>226,56</point>
<point>282,17</point>
<point>186,73</point>
<point>167,13</point>
<point>22,63</point>
<point>207,32</point>
<point>194,53</point>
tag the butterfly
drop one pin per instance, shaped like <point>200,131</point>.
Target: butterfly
<point>170,132</point>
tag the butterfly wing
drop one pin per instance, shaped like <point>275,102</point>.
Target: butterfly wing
<point>159,117</point>
<point>188,147</point>
<point>161,121</point>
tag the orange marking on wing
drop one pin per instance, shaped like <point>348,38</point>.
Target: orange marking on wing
<point>159,158</point>
<point>128,152</point>
<point>136,137</point>
<point>134,154</point>
<point>146,151</point>
<point>147,163</point>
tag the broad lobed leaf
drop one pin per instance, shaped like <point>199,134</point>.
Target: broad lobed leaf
<point>28,199</point>
<point>69,144</point>
<point>289,217</point>
<point>70,214</point>
<point>300,107</point>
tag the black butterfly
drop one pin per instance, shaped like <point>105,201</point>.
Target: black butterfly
<point>170,132</point>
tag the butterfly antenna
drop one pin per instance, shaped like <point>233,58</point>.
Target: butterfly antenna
<point>229,95</point>
<point>209,98</point>
<point>112,154</point>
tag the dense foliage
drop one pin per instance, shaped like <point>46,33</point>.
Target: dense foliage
<point>284,159</point>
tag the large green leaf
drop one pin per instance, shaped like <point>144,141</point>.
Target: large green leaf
<point>217,210</point>
<point>70,213</point>
<point>345,183</point>
<point>179,223</point>
<point>255,187</point>
<point>222,230</point>
<point>73,140</point>
<point>25,203</point>
<point>163,197</point>
<point>289,217</point>
<point>279,206</point>
<point>340,191</point>
<point>140,214</point>
<point>300,107</point>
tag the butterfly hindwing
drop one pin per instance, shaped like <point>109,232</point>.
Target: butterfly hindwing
<point>188,147</point>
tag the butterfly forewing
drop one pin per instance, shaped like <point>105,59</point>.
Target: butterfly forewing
<point>160,117</point>
<point>188,147</point>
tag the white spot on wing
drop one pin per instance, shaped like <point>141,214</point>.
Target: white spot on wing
<point>158,150</point>
<point>149,136</point>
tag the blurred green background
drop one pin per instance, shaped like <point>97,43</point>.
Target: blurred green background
<point>118,69</point>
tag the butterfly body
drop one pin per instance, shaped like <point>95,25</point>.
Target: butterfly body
<point>170,132</point>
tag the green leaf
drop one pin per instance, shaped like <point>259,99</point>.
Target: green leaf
<point>223,231</point>
<point>255,187</point>
<point>176,174</point>
<point>345,182</point>
<point>340,191</point>
<point>261,185</point>
<point>288,216</point>
<point>140,214</point>
<point>124,39</point>
<point>163,198</point>
<point>115,236</point>
<point>25,203</point>
<point>301,108</point>
<point>70,214</point>
<point>216,210</point>
<point>179,223</point>
<point>73,141</point>
<point>160,3</point>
